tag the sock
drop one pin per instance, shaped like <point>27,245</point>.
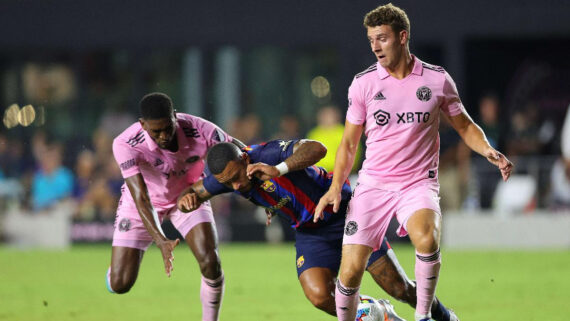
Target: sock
<point>346,300</point>
<point>108,281</point>
<point>427,273</point>
<point>211,293</point>
<point>439,312</point>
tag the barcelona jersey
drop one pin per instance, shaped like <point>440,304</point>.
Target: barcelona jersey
<point>293,196</point>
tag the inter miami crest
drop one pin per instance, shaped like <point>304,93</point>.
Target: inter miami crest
<point>124,225</point>
<point>423,93</point>
<point>350,228</point>
<point>382,117</point>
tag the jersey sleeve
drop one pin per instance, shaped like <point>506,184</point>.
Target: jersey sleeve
<point>212,133</point>
<point>356,113</point>
<point>272,152</point>
<point>214,187</point>
<point>127,158</point>
<point>452,104</point>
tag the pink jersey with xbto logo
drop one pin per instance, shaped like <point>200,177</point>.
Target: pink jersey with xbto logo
<point>401,121</point>
<point>166,173</point>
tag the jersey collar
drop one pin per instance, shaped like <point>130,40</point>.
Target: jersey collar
<point>416,70</point>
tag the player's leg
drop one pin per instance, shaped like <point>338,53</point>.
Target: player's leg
<point>130,241</point>
<point>424,228</point>
<point>124,269</point>
<point>419,215</point>
<point>391,277</point>
<point>200,234</point>
<point>352,266</point>
<point>318,284</point>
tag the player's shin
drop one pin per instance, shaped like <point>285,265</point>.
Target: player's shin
<point>427,274</point>
<point>346,300</point>
<point>211,294</point>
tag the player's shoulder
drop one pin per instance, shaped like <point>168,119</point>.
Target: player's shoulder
<point>366,72</point>
<point>131,137</point>
<point>430,68</point>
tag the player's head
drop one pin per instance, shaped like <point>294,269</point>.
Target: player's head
<point>388,30</point>
<point>228,164</point>
<point>158,119</point>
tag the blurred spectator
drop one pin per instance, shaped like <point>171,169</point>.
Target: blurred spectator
<point>247,129</point>
<point>560,174</point>
<point>484,172</point>
<point>529,134</point>
<point>329,131</point>
<point>289,128</point>
<point>453,169</point>
<point>93,190</point>
<point>52,182</point>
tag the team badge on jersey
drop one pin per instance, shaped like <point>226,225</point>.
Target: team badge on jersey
<point>300,261</point>
<point>382,117</point>
<point>124,225</point>
<point>268,186</point>
<point>350,228</point>
<point>423,93</point>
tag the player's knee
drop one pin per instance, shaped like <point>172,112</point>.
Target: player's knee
<point>121,284</point>
<point>426,240</point>
<point>322,300</point>
<point>210,265</point>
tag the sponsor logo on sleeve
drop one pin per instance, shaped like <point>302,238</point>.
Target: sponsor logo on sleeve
<point>128,164</point>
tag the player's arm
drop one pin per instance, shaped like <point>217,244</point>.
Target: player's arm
<point>475,138</point>
<point>149,217</point>
<point>192,197</point>
<point>344,160</point>
<point>306,153</point>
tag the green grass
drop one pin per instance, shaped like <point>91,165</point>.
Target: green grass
<point>262,285</point>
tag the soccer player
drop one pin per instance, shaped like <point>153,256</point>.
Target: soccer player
<point>280,176</point>
<point>158,157</point>
<point>396,102</point>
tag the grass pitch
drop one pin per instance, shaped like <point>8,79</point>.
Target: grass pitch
<point>261,284</point>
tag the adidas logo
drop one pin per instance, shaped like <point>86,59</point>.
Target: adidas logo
<point>379,96</point>
<point>158,162</point>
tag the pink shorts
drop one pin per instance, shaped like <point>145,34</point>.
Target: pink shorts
<point>371,209</point>
<point>130,230</point>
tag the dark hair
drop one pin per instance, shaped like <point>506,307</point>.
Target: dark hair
<point>390,15</point>
<point>156,106</point>
<point>220,155</point>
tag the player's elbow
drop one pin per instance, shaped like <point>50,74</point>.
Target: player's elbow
<point>321,150</point>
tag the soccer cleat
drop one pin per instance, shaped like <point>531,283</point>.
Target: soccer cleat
<point>452,316</point>
<point>389,313</point>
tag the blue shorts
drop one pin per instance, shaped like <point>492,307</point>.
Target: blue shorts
<point>322,247</point>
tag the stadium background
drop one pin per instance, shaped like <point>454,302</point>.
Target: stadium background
<point>72,73</point>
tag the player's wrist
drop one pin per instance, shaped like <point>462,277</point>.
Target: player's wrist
<point>282,168</point>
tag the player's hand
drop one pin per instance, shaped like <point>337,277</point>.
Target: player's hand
<point>262,171</point>
<point>166,248</point>
<point>188,202</point>
<point>499,160</point>
<point>333,197</point>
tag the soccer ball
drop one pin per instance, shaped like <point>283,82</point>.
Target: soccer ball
<point>369,309</point>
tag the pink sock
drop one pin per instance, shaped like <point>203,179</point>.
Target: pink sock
<point>211,293</point>
<point>346,300</point>
<point>427,273</point>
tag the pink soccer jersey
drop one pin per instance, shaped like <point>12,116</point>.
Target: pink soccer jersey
<point>401,121</point>
<point>166,173</point>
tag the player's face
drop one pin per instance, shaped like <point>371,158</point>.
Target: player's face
<point>234,176</point>
<point>162,131</point>
<point>386,45</point>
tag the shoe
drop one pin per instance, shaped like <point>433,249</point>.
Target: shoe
<point>452,315</point>
<point>389,313</point>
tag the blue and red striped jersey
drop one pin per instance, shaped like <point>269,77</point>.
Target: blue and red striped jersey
<point>293,196</point>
